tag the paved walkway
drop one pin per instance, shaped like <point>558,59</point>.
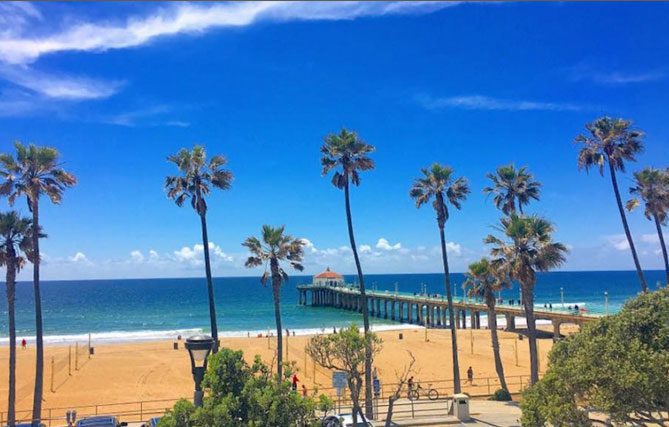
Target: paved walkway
<point>482,412</point>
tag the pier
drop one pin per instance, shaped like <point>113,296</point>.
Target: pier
<point>428,310</point>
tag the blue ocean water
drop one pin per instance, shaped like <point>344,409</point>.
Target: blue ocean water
<point>161,308</point>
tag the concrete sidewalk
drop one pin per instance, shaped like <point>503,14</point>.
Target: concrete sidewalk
<point>482,412</point>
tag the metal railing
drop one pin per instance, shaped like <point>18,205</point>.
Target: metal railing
<point>137,411</point>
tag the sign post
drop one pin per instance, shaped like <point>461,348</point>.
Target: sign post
<point>339,382</point>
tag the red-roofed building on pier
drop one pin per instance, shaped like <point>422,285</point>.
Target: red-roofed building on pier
<point>328,278</point>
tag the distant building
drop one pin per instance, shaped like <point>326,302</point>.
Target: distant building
<point>329,278</point>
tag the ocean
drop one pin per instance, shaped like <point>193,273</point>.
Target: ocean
<point>145,309</point>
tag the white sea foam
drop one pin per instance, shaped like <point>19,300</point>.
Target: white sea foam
<point>144,336</point>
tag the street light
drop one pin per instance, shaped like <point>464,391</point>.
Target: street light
<point>199,347</point>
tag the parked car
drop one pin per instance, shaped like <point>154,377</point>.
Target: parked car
<point>100,421</point>
<point>344,420</point>
<point>153,422</point>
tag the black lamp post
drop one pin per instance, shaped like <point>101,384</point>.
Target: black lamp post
<point>199,347</point>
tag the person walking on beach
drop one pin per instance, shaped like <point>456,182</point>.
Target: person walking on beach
<point>295,381</point>
<point>410,386</point>
<point>24,344</point>
<point>304,390</point>
<point>470,375</point>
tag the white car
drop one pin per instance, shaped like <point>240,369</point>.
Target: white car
<point>344,420</point>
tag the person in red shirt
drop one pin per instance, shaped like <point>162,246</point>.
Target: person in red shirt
<point>24,344</point>
<point>295,381</point>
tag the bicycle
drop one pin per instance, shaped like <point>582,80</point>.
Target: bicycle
<point>432,393</point>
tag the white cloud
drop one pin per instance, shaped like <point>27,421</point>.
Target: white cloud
<point>584,71</point>
<point>480,102</point>
<point>136,256</point>
<point>650,238</point>
<point>365,249</point>
<point>383,244</point>
<point>191,19</point>
<point>195,255</point>
<point>153,255</point>
<point>80,257</point>
<point>60,87</point>
<point>454,248</point>
<point>618,242</point>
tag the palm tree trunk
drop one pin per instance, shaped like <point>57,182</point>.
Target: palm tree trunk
<point>11,294</point>
<point>369,410</point>
<point>614,181</point>
<point>528,303</point>
<point>492,324</point>
<point>663,246</point>
<point>451,317</point>
<point>39,342</point>
<point>276,291</point>
<point>210,284</point>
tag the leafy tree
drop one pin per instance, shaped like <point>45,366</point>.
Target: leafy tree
<point>612,142</point>
<point>484,281</point>
<point>527,247</point>
<point>346,351</point>
<point>33,173</point>
<point>512,187</point>
<point>15,240</point>
<point>438,183</point>
<point>243,395</point>
<point>618,366</point>
<point>194,183</point>
<point>274,248</point>
<point>652,187</point>
<point>349,155</point>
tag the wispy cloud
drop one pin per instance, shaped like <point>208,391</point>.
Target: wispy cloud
<point>156,115</point>
<point>480,102</point>
<point>26,36</point>
<point>193,19</point>
<point>55,86</point>
<point>587,72</point>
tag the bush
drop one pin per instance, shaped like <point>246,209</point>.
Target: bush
<point>243,395</point>
<point>616,365</point>
<point>501,395</point>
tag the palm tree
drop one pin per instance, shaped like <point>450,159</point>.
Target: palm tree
<point>15,233</point>
<point>652,186</point>
<point>511,186</point>
<point>349,154</point>
<point>438,182</point>
<point>194,183</point>
<point>35,172</point>
<point>484,281</point>
<point>274,248</point>
<point>527,247</point>
<point>612,142</point>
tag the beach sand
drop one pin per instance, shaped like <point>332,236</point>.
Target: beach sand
<point>154,370</point>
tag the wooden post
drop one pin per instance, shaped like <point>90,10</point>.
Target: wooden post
<point>69,360</point>
<point>515,349</point>
<point>53,364</point>
<point>76,356</point>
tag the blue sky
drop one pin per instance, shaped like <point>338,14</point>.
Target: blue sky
<point>118,87</point>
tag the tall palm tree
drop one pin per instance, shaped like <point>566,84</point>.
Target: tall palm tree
<point>527,247</point>
<point>438,182</point>
<point>15,240</point>
<point>194,183</point>
<point>484,281</point>
<point>35,172</point>
<point>274,248</point>
<point>512,187</point>
<point>612,142</point>
<point>349,154</point>
<point>652,186</point>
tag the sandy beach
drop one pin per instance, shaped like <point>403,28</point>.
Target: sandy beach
<point>132,372</point>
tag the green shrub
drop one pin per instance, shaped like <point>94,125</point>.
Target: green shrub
<point>501,395</point>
